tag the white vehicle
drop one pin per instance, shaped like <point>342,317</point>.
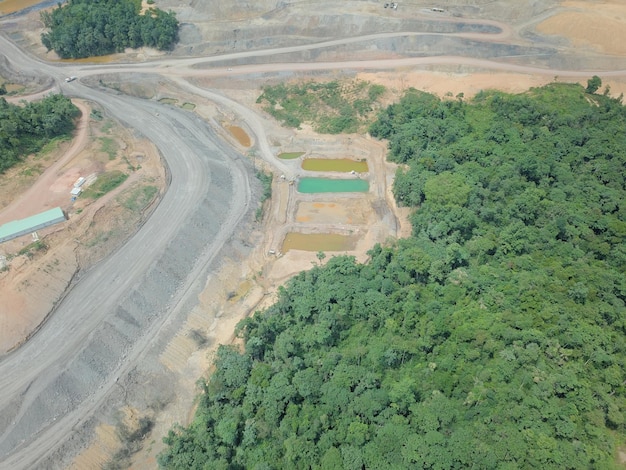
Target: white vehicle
<point>70,79</point>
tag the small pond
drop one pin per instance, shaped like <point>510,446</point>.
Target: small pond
<point>239,134</point>
<point>329,185</point>
<point>345,165</point>
<point>290,155</point>
<point>318,242</point>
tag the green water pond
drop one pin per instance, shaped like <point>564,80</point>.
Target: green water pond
<point>328,185</point>
<point>290,155</point>
<point>345,165</point>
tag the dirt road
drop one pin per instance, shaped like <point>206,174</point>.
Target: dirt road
<point>108,321</point>
<point>61,374</point>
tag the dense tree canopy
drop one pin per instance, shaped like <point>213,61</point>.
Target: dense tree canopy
<point>494,337</point>
<point>25,129</point>
<point>85,28</point>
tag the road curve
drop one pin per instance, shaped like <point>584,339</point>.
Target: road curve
<point>107,304</point>
<point>45,389</point>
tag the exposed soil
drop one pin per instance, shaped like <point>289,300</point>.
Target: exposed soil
<point>31,283</point>
<point>600,26</point>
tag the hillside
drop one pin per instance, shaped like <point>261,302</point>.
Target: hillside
<point>493,337</point>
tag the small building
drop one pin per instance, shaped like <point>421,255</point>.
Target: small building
<point>75,192</point>
<point>79,182</point>
<point>17,228</point>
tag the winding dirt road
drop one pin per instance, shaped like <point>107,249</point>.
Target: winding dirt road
<point>104,325</point>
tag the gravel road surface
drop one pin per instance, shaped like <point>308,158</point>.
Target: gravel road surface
<point>64,371</point>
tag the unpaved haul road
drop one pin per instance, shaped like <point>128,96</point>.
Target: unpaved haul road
<point>62,375</point>
<point>64,371</point>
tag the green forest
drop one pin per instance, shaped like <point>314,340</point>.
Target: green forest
<point>26,129</point>
<point>86,28</point>
<point>492,338</point>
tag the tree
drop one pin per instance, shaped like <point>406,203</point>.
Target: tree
<point>593,84</point>
<point>25,130</point>
<point>492,338</point>
<point>82,28</point>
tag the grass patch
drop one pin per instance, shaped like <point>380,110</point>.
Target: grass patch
<point>132,441</point>
<point>106,127</point>
<point>129,165</point>
<point>51,146</point>
<point>331,108</point>
<point>11,89</point>
<point>139,198</point>
<point>109,146</point>
<point>96,115</point>
<point>171,101</point>
<point>188,106</point>
<point>266,181</point>
<point>105,183</point>
<point>35,247</point>
<point>290,155</point>
<point>100,238</point>
<point>32,170</point>
<point>198,337</point>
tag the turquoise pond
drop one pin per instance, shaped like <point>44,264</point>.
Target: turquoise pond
<point>328,185</point>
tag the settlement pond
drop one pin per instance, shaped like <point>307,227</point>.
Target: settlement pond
<point>290,155</point>
<point>318,242</point>
<point>239,134</point>
<point>344,165</point>
<point>11,6</point>
<point>329,185</point>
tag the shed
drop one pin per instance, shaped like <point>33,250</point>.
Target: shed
<point>17,228</point>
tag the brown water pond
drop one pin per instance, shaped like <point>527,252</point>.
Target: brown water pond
<point>239,134</point>
<point>11,6</point>
<point>318,242</point>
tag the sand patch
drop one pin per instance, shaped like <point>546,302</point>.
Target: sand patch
<point>352,212</point>
<point>451,84</point>
<point>598,25</point>
<point>11,6</point>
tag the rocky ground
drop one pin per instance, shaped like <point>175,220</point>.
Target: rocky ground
<point>559,35</point>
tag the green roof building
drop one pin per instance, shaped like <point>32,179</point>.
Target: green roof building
<point>17,228</point>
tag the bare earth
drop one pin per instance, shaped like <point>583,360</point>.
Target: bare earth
<point>33,284</point>
<point>30,287</point>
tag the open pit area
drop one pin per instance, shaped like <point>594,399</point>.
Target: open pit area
<point>214,77</point>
